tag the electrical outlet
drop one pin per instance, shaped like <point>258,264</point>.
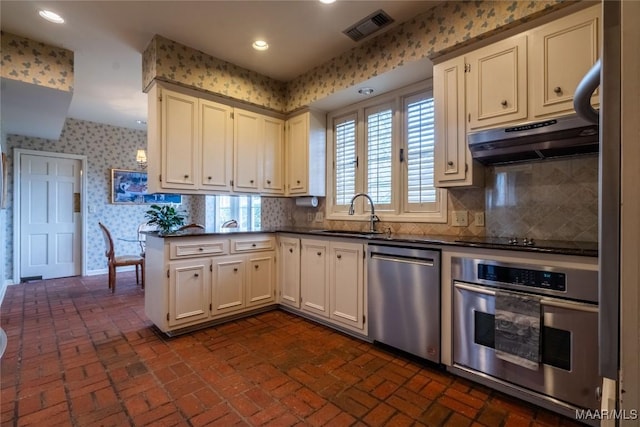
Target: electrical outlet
<point>319,217</point>
<point>460,218</point>
<point>310,216</point>
<point>479,219</point>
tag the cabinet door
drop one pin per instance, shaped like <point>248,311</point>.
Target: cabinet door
<point>216,136</point>
<point>346,284</point>
<point>227,290</point>
<point>179,136</point>
<point>298,154</point>
<point>451,150</point>
<point>261,278</point>
<point>273,156</point>
<point>497,83</point>
<point>248,140</point>
<point>189,283</point>
<point>314,275</point>
<point>290,271</point>
<point>562,52</point>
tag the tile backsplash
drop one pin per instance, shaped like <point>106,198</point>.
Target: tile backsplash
<point>548,200</point>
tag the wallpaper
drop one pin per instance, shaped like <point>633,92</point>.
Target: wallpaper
<point>37,63</point>
<point>176,63</point>
<point>447,26</point>
<point>106,147</point>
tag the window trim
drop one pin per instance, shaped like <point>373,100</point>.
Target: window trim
<point>399,211</point>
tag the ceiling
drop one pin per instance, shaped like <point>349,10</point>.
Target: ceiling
<point>108,38</point>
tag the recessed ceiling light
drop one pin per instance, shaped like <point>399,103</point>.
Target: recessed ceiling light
<point>51,16</point>
<point>260,45</point>
<point>365,91</point>
<point>327,1</point>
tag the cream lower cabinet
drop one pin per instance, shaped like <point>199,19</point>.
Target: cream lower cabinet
<point>314,276</point>
<point>332,282</point>
<point>289,271</point>
<point>189,290</point>
<point>193,280</point>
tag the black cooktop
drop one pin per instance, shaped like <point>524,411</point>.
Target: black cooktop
<point>560,246</point>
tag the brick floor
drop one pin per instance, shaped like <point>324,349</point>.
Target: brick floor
<point>80,356</point>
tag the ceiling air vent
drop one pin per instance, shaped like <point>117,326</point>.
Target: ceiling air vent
<point>369,25</point>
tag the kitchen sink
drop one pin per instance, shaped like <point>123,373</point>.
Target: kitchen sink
<point>348,233</point>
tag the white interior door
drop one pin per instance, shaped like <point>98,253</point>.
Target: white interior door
<point>50,217</point>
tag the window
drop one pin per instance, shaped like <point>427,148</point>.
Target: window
<point>244,209</point>
<point>385,147</point>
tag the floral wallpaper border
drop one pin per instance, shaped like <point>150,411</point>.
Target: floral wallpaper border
<point>446,27</point>
<point>36,63</point>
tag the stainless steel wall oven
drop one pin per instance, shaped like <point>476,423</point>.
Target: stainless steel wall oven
<point>565,376</point>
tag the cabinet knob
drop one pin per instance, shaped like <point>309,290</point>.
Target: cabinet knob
<point>504,103</point>
<point>291,250</point>
<point>196,275</point>
<point>319,253</point>
<point>253,245</point>
<point>268,181</point>
<point>450,163</point>
<point>209,178</point>
<point>235,270</point>
<point>298,182</point>
<point>256,266</point>
<point>201,249</point>
<point>557,90</point>
<point>186,176</point>
<point>339,256</point>
<point>251,181</point>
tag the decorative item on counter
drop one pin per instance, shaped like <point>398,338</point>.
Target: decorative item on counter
<point>166,217</point>
<point>310,202</point>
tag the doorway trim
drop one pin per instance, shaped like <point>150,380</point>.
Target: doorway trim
<point>17,157</point>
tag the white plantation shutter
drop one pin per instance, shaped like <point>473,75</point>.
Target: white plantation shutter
<point>345,159</point>
<point>379,122</point>
<point>421,194</point>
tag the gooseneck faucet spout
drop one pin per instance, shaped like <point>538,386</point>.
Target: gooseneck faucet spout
<point>374,217</point>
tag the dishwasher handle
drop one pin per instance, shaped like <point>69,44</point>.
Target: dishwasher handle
<point>427,262</point>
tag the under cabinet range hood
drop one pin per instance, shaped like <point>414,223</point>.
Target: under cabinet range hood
<point>563,136</point>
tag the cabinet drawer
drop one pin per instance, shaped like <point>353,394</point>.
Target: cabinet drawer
<point>255,243</point>
<point>199,248</point>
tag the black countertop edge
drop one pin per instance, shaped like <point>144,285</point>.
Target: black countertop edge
<point>571,249</point>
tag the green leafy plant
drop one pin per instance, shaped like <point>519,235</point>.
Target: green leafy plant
<point>165,217</point>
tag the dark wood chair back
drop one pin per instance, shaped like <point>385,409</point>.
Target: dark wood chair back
<point>114,261</point>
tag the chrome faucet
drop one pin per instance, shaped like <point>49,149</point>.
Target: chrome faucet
<point>374,218</point>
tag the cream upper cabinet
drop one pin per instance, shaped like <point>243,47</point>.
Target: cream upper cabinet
<point>179,140</point>
<point>248,132</point>
<point>273,156</point>
<point>189,143</point>
<point>561,53</point>
<point>453,164</point>
<point>497,83</point>
<point>305,154</point>
<point>216,136</point>
<point>289,273</point>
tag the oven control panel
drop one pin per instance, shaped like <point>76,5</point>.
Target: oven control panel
<point>554,281</point>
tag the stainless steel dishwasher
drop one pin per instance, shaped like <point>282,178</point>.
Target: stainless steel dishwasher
<point>404,299</point>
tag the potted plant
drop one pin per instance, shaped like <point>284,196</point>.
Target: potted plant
<point>165,217</point>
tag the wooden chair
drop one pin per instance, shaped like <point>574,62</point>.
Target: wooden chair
<point>191,226</point>
<point>120,261</point>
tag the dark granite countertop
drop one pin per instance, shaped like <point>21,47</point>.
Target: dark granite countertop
<point>589,249</point>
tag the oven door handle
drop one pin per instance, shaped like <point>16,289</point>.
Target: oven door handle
<point>569,305</point>
<point>474,289</point>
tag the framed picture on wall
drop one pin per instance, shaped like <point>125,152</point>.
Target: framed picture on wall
<point>130,187</point>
